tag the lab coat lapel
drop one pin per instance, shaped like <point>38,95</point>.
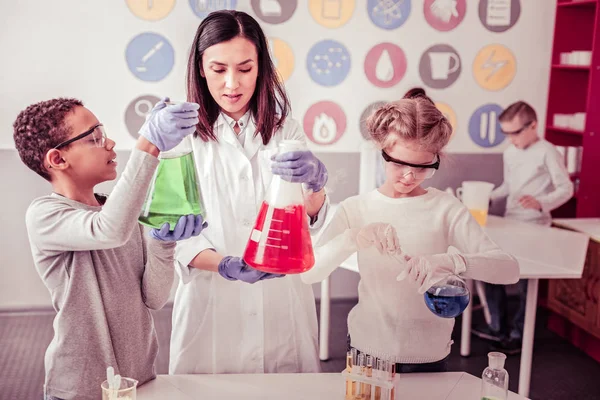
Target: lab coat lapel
<point>226,133</point>
<point>252,142</point>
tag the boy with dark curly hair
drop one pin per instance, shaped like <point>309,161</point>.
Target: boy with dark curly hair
<point>102,273</point>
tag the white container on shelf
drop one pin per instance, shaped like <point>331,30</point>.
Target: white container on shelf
<point>576,57</point>
<point>560,120</point>
<point>578,121</point>
<point>571,121</point>
<point>585,58</point>
<point>571,160</point>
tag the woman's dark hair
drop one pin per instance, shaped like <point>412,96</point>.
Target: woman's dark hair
<point>269,104</point>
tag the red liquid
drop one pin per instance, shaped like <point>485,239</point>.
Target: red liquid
<point>287,248</point>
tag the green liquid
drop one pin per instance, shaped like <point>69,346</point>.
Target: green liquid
<point>175,192</point>
<point>490,398</point>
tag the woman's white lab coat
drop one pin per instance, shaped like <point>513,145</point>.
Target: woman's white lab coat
<point>222,326</point>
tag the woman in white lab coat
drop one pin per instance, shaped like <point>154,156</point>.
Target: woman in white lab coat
<point>228,317</point>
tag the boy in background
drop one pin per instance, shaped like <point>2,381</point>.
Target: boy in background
<point>535,183</point>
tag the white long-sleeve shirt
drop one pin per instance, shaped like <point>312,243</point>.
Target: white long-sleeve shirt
<point>391,319</point>
<point>537,171</point>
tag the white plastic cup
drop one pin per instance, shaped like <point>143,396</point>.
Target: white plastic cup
<point>475,195</point>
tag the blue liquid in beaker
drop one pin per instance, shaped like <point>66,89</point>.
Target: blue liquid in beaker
<point>447,301</point>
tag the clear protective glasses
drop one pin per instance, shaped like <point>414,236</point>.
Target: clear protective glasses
<point>419,171</point>
<point>96,136</point>
<point>525,126</point>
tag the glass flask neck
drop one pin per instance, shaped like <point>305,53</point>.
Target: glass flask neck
<point>286,146</point>
<point>496,360</point>
<point>182,149</point>
<point>281,192</point>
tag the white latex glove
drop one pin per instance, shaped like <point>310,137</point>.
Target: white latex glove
<point>330,255</point>
<point>426,271</point>
<point>381,235</point>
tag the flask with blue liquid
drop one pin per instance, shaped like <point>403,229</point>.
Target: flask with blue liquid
<point>448,298</point>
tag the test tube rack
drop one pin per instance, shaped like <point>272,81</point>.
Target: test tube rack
<point>368,378</point>
<point>374,382</point>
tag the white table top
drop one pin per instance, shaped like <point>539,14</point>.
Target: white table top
<point>589,226</point>
<point>430,386</point>
<point>542,252</point>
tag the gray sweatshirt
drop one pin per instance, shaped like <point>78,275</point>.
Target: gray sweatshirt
<point>103,274</point>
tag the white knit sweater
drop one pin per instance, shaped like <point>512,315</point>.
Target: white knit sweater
<point>391,319</point>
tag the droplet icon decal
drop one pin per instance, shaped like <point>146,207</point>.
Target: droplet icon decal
<point>384,70</point>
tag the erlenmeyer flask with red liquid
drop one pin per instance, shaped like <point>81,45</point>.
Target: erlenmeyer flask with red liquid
<point>280,240</point>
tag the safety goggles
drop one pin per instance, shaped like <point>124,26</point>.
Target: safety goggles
<point>97,137</point>
<point>527,125</point>
<point>419,171</point>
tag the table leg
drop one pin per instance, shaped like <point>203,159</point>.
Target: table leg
<point>465,335</point>
<point>480,288</point>
<point>325,320</point>
<point>528,332</point>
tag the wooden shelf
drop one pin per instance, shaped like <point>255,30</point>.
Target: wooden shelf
<point>582,3</point>
<point>577,27</point>
<point>571,90</point>
<point>572,67</point>
<point>565,130</point>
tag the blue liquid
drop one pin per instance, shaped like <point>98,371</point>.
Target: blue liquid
<point>447,301</point>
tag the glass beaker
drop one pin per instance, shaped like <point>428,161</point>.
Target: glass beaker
<point>174,190</point>
<point>475,195</point>
<point>126,391</point>
<point>448,298</point>
<point>494,380</point>
<point>280,240</point>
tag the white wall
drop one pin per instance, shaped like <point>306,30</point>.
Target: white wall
<point>77,48</point>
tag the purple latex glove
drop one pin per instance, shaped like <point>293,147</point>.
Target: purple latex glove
<point>235,269</point>
<point>300,166</point>
<point>186,227</point>
<point>168,124</point>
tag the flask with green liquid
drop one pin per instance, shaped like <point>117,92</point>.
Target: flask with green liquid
<point>174,190</point>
